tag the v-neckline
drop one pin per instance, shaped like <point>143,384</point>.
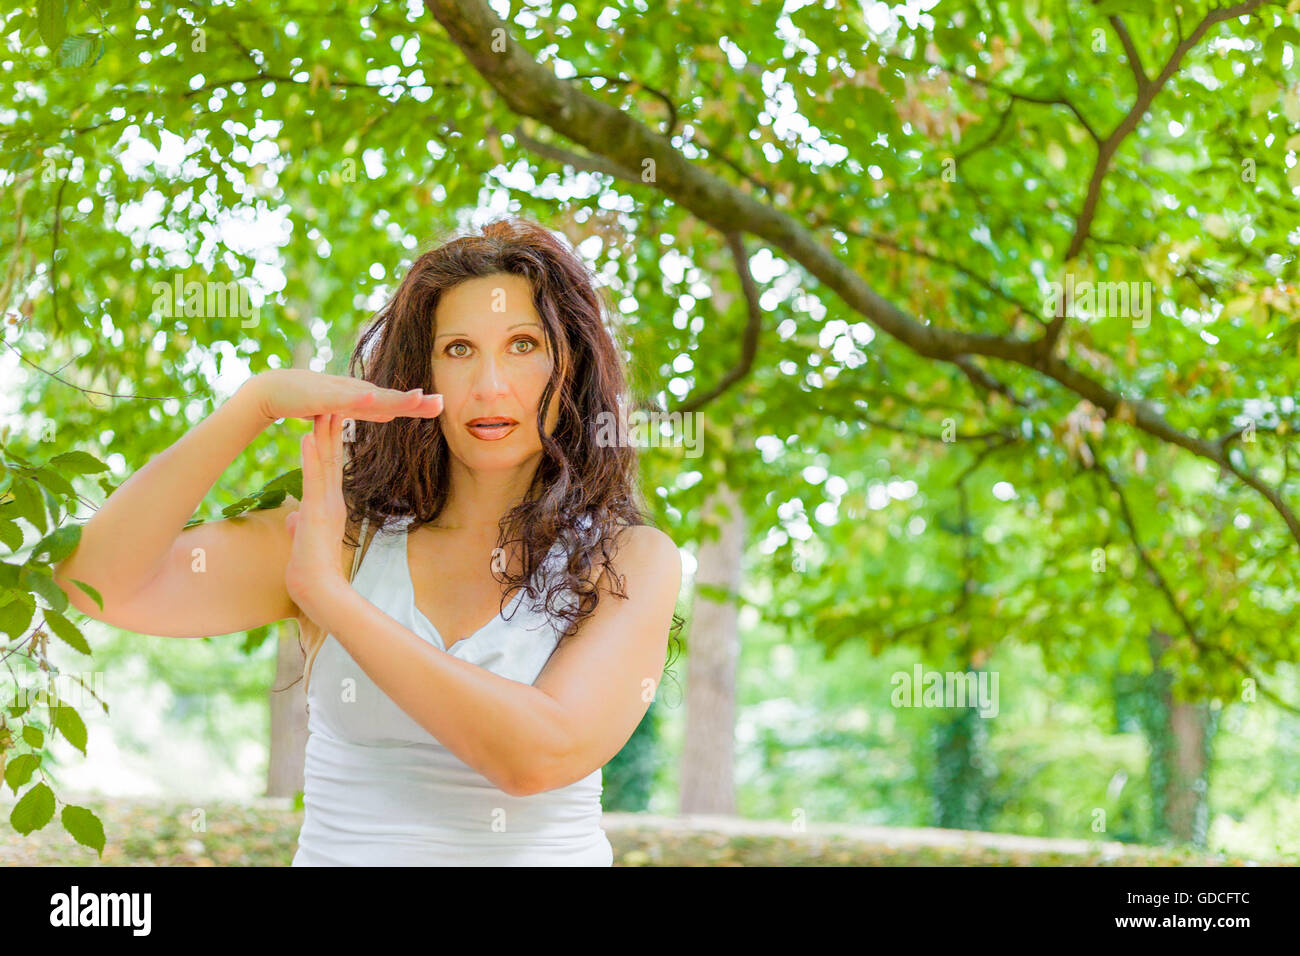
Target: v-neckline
<point>404,552</point>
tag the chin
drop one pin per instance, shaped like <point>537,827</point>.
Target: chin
<point>493,458</point>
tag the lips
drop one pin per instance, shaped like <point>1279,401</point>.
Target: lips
<point>491,428</point>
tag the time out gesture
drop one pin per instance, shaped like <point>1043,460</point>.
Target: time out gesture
<point>317,526</point>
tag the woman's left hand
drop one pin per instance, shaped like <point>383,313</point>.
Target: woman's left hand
<point>317,526</point>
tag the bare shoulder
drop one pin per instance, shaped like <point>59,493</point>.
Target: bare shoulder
<point>643,552</point>
<point>645,542</point>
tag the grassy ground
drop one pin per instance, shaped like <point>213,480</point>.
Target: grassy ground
<point>171,833</point>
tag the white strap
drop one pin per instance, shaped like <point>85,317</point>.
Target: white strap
<point>361,546</point>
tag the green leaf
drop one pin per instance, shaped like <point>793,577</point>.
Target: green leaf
<point>78,462</point>
<point>22,161</point>
<point>27,503</point>
<point>40,581</point>
<point>57,545</point>
<point>290,481</point>
<point>34,736</point>
<point>256,638</point>
<point>50,18</point>
<point>65,629</point>
<point>89,590</point>
<point>239,507</point>
<point>33,810</point>
<point>75,50</point>
<point>55,482</point>
<point>10,534</point>
<point>20,769</point>
<point>84,826</point>
<point>16,615</point>
<point>69,723</point>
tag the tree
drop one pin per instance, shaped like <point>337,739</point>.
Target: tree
<point>1040,251</point>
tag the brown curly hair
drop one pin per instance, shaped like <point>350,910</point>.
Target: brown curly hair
<point>583,491</point>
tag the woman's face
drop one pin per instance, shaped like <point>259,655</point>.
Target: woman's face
<point>491,360</point>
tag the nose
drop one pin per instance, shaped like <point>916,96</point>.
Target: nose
<point>489,380</point>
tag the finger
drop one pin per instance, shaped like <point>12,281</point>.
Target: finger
<point>395,400</point>
<point>320,437</point>
<point>332,446</point>
<point>385,404</point>
<point>334,456</point>
<point>336,479</point>
<point>308,480</point>
<point>311,470</point>
<point>429,406</point>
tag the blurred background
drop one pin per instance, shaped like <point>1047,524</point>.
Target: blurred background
<point>973,327</point>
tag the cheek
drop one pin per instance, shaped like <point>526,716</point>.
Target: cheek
<point>532,381</point>
<point>449,378</point>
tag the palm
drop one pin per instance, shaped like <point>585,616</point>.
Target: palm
<point>317,526</point>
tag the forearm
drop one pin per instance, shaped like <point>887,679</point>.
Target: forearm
<point>126,540</point>
<point>502,728</point>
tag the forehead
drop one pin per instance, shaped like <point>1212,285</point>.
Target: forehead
<point>487,300</point>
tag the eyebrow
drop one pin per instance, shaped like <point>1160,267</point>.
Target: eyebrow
<point>515,326</point>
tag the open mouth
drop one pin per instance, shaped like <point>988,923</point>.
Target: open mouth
<point>491,429</point>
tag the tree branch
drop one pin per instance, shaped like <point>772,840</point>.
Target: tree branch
<point>54,250</point>
<point>952,264</point>
<point>84,391</point>
<point>1146,93</point>
<point>532,89</point>
<point>1058,100</point>
<point>1158,579</point>
<point>1130,51</point>
<point>671,127</point>
<point>557,154</point>
<point>749,340</point>
<point>1007,436</point>
<point>988,140</point>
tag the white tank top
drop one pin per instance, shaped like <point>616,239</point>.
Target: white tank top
<point>380,790</point>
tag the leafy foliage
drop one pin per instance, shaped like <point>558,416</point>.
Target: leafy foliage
<point>947,464</point>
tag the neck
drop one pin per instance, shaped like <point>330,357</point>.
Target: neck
<point>478,500</point>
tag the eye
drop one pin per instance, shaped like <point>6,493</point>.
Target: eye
<point>525,339</point>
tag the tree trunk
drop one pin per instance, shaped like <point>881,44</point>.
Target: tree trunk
<point>284,773</point>
<point>963,779</point>
<point>284,776</point>
<point>707,784</point>
<point>1182,750</point>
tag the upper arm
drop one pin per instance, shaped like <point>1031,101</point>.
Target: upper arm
<point>218,577</point>
<point>604,676</point>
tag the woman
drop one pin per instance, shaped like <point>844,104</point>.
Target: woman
<point>478,469</point>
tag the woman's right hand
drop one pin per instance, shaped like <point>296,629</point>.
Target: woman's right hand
<point>299,393</point>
